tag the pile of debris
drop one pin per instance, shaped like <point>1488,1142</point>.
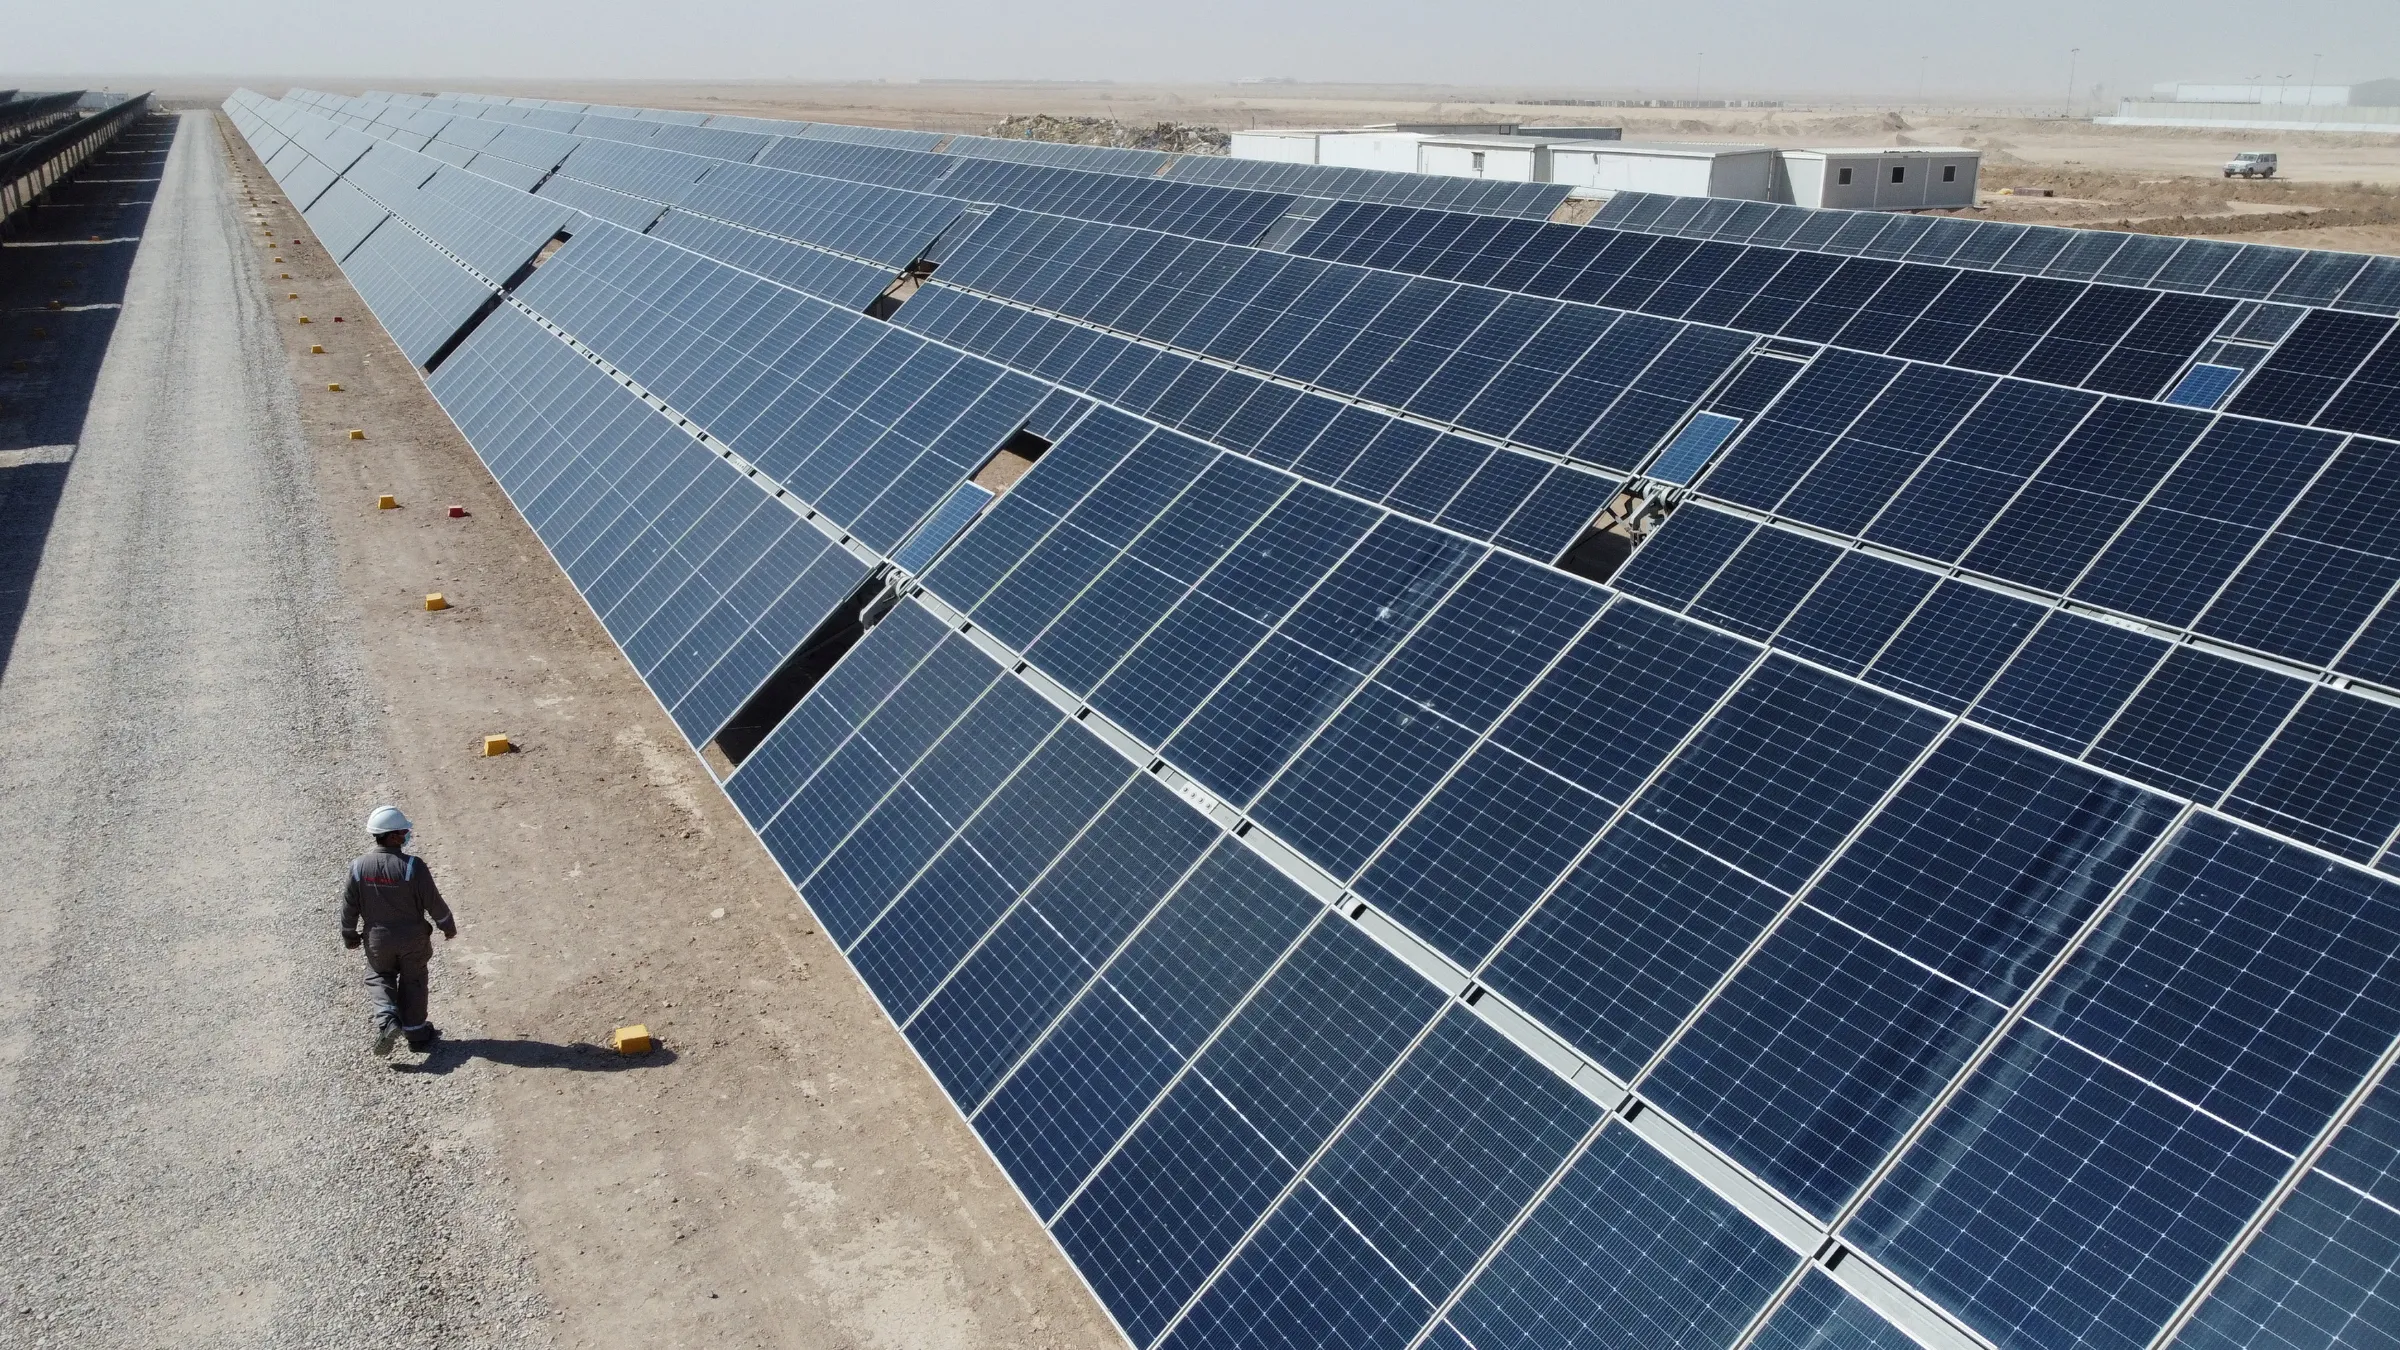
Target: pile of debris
<point>1179,138</point>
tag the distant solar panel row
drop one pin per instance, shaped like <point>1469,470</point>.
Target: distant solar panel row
<point>1929,895</point>
<point>914,153</point>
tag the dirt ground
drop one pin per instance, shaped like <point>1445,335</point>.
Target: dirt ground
<point>782,1173</point>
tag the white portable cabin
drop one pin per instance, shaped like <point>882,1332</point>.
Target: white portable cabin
<point>1512,159</point>
<point>1393,151</point>
<point>1283,147</point>
<point>1879,178</point>
<point>1677,169</point>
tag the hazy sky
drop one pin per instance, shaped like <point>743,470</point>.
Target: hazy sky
<point>2017,48</point>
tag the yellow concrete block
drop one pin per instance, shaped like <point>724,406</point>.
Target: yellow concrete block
<point>316,349</point>
<point>387,502</point>
<point>435,601</point>
<point>496,745</point>
<point>634,1040</point>
<point>287,276</point>
<point>333,389</point>
<point>357,435</point>
<point>304,318</point>
<point>294,295</point>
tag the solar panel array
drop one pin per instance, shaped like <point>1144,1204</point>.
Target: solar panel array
<point>1703,780</point>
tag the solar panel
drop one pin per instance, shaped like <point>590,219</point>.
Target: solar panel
<point>1737,776</point>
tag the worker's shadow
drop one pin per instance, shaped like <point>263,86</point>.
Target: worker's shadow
<point>577,1058</point>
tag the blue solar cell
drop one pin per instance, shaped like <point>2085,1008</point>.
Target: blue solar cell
<point>1481,852</point>
<point>1630,943</point>
<point>926,931</point>
<point>1626,1246</point>
<point>1791,763</point>
<point>2068,680</point>
<point>1295,1073</point>
<point>2322,570</point>
<point>1126,862</point>
<point>1693,447</point>
<point>1442,1157</point>
<point>1979,469</point>
<point>1760,586</point>
<point>1499,629</point>
<point>2246,975</point>
<point>2366,1153</point>
<point>1027,822</point>
<point>2329,776</point>
<point>1879,452</point>
<point>995,1003</point>
<point>2057,1201</point>
<point>1259,717</point>
<point>2196,529</point>
<point>1152,1224</point>
<point>1055,1117</point>
<point>2197,722</point>
<point>1854,611</point>
<point>1354,784</point>
<point>1819,1056</point>
<point>2074,504</point>
<point>1306,1278</point>
<point>1677,561</point>
<point>2320,1274</point>
<point>1624,695</point>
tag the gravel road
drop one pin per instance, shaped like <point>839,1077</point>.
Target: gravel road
<point>200,1152</point>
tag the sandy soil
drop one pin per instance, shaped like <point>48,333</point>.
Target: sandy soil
<point>783,1173</point>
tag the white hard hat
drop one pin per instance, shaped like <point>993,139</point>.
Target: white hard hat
<point>386,819</point>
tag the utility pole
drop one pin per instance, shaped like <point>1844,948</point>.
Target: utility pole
<point>1922,63</point>
<point>2315,60</point>
<point>2073,53</point>
<point>1699,63</point>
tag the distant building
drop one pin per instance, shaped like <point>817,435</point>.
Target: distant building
<point>1597,162</point>
<point>1879,178</point>
<point>2373,105</point>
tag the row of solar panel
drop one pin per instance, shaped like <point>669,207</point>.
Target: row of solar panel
<point>1767,779</point>
<point>1528,504</point>
<point>2213,266</point>
<point>2099,335</point>
<point>1923,412</point>
<point>1532,200</point>
<point>1601,387</point>
<point>989,959</point>
<point>2115,339</point>
<point>2104,337</point>
<point>2335,369</point>
<point>1485,506</point>
<point>705,582</point>
<point>2271,537</point>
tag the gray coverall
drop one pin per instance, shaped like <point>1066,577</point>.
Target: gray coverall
<point>393,896</point>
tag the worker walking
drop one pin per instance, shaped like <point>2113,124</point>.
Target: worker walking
<point>391,896</point>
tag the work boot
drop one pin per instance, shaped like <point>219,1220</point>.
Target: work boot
<point>386,1034</point>
<point>422,1038</point>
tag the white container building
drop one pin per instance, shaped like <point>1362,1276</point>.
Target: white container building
<point>1678,169</point>
<point>1879,178</point>
<point>1874,178</point>
<point>1513,159</point>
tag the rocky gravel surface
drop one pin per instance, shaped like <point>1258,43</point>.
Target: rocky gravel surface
<point>199,1149</point>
